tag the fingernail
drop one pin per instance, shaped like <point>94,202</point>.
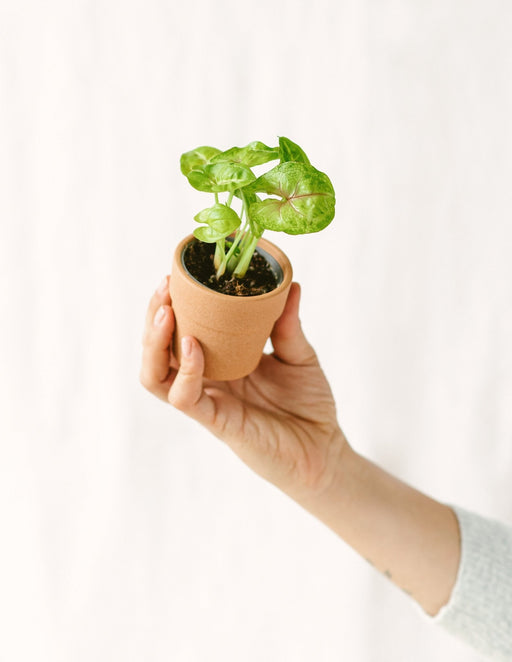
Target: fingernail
<point>186,347</point>
<point>162,288</point>
<point>160,314</point>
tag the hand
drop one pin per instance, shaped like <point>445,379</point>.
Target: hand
<point>280,420</point>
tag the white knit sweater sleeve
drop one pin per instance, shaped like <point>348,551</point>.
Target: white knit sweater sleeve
<point>480,608</point>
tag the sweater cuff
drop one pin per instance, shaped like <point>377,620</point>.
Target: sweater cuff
<point>480,607</point>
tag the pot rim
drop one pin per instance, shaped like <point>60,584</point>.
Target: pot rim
<point>266,246</point>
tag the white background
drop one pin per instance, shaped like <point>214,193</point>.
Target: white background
<point>126,532</point>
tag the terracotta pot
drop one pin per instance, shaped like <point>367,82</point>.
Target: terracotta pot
<point>232,330</point>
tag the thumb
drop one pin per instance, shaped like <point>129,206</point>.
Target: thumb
<point>288,340</point>
<point>187,393</point>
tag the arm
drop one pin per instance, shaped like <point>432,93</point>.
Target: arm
<point>281,421</point>
<point>406,535</point>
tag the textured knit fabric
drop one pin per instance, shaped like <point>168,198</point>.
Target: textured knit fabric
<point>480,607</point>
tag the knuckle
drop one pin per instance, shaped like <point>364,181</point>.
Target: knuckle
<point>145,379</point>
<point>149,337</point>
<point>177,400</point>
<point>187,373</point>
<point>146,336</point>
<point>183,392</point>
<point>155,297</point>
<point>310,357</point>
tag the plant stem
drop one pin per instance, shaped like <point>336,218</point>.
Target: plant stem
<point>219,253</point>
<point>216,198</point>
<point>234,244</point>
<point>230,198</point>
<point>245,257</point>
<point>225,262</point>
<point>244,239</point>
<point>235,256</point>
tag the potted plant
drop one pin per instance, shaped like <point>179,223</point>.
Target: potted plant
<point>228,286</point>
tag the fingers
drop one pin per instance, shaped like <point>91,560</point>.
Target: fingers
<point>187,391</point>
<point>289,342</point>
<point>160,296</point>
<point>155,374</point>
<point>182,388</point>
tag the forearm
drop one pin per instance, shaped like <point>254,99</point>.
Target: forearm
<point>411,538</point>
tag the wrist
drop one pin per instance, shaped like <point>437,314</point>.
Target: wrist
<point>330,484</point>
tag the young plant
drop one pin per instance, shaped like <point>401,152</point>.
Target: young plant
<point>300,198</point>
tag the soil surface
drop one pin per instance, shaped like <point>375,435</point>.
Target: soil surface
<point>259,279</point>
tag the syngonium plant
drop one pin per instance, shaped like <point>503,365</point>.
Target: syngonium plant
<point>301,198</point>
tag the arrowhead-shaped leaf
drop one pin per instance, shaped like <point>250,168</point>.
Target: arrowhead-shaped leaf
<point>290,151</point>
<point>305,200</point>
<point>220,221</point>
<point>253,154</point>
<point>197,158</point>
<point>220,177</point>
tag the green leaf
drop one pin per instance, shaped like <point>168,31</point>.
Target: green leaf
<point>305,199</point>
<point>253,154</point>
<point>247,196</point>
<point>206,234</point>
<point>290,151</point>
<point>219,177</point>
<point>197,158</point>
<point>220,221</point>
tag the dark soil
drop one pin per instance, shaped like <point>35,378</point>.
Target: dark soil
<point>259,279</point>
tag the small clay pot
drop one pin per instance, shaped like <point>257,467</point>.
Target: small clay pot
<point>232,330</point>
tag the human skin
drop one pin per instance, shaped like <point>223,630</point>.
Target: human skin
<point>281,421</point>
